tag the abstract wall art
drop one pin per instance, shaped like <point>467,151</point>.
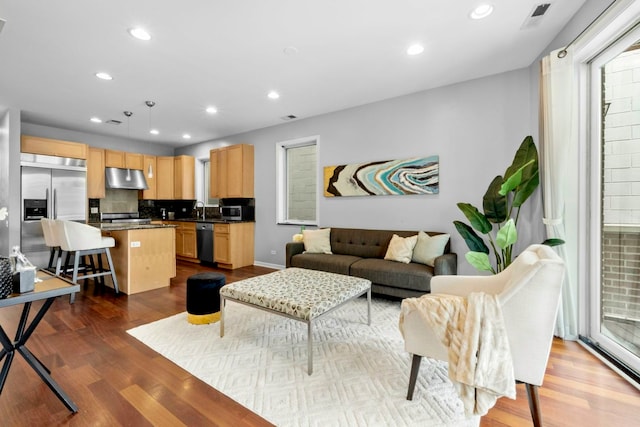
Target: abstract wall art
<point>419,175</point>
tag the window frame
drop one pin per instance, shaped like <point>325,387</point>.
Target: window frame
<point>282,198</point>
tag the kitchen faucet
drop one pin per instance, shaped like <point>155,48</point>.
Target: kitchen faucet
<point>197,211</point>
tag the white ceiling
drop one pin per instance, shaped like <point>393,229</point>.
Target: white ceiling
<point>231,53</point>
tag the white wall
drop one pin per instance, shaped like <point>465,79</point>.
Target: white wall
<point>9,178</point>
<point>475,127</point>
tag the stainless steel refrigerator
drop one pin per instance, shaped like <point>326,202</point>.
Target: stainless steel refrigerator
<point>51,187</point>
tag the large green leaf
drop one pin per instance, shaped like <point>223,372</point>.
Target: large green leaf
<point>493,203</point>
<point>524,155</point>
<point>513,181</point>
<point>474,242</point>
<point>479,260</point>
<point>525,190</point>
<point>507,235</point>
<point>477,219</point>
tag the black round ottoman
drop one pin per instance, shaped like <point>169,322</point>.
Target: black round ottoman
<point>203,297</point>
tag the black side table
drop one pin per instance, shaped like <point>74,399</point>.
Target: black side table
<point>48,290</point>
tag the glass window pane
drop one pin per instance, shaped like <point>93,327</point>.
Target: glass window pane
<point>301,183</point>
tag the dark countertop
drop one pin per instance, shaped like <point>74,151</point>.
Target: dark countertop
<point>207,221</point>
<point>110,226</point>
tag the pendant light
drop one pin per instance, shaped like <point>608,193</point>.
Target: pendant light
<point>151,131</point>
<point>128,114</point>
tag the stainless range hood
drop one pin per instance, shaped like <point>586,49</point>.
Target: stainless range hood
<point>125,179</point>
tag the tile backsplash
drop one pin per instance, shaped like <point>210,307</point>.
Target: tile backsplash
<point>116,201</point>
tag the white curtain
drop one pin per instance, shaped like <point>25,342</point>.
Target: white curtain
<point>558,132</point>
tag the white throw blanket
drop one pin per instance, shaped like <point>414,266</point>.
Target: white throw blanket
<point>472,329</point>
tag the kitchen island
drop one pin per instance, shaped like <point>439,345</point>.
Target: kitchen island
<point>144,256</point>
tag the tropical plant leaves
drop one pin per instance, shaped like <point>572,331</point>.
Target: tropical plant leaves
<point>479,260</point>
<point>477,219</point>
<point>493,203</point>
<point>525,153</point>
<point>507,235</point>
<point>526,190</point>
<point>473,241</point>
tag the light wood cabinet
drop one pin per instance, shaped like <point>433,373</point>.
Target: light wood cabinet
<point>134,161</point>
<point>53,147</point>
<point>150,173</point>
<point>233,244</point>
<point>123,159</point>
<point>165,178</point>
<point>95,173</point>
<point>144,259</point>
<point>184,178</point>
<point>231,171</point>
<point>186,244</point>
<point>114,159</point>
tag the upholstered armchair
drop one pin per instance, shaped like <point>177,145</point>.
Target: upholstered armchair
<point>528,293</point>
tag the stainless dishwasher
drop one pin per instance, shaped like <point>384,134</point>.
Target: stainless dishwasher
<point>204,237</point>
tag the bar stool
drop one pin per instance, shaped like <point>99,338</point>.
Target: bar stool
<point>85,240</point>
<point>51,240</point>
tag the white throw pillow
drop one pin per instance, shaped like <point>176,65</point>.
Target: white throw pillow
<point>428,248</point>
<point>317,241</point>
<point>400,248</point>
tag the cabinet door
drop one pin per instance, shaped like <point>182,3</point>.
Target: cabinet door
<point>95,174</point>
<point>223,173</point>
<point>214,174</point>
<point>150,173</point>
<point>114,159</point>
<point>184,183</point>
<point>221,248</point>
<point>53,147</point>
<point>134,161</point>
<point>164,179</point>
<point>189,245</point>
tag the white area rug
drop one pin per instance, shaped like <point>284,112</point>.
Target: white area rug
<point>360,375</point>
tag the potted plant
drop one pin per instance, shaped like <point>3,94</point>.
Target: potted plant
<point>501,208</point>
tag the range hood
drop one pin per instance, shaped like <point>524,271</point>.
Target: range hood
<point>125,179</point>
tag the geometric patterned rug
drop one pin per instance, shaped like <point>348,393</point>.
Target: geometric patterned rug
<point>360,374</point>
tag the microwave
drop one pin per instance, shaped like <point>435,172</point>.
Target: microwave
<point>237,213</point>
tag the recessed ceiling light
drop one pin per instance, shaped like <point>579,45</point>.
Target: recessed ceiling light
<point>186,136</point>
<point>290,50</point>
<point>273,95</point>
<point>211,110</point>
<point>96,120</point>
<point>154,132</point>
<point>481,11</point>
<point>415,49</point>
<point>104,76</point>
<point>140,33</point>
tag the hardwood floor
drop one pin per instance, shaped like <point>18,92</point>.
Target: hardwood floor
<point>116,380</point>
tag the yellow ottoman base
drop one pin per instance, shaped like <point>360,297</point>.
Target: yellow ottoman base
<point>203,319</point>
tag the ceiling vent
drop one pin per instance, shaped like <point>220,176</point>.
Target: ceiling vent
<point>113,122</point>
<point>535,16</point>
<point>289,117</point>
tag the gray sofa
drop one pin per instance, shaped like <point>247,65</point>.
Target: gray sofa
<point>360,252</point>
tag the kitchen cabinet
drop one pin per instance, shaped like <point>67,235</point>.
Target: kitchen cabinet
<point>150,173</point>
<point>123,159</point>
<point>114,159</point>
<point>186,245</point>
<point>233,244</point>
<point>184,178</point>
<point>144,259</point>
<point>53,147</point>
<point>134,161</point>
<point>165,178</point>
<point>95,173</point>
<point>231,171</point>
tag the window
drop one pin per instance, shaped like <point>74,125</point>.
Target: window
<point>297,170</point>
<point>209,201</point>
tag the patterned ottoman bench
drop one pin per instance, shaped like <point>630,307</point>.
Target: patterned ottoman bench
<point>296,293</point>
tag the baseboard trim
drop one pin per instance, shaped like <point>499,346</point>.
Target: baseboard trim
<point>268,265</point>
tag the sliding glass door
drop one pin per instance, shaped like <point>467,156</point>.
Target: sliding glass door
<point>615,191</point>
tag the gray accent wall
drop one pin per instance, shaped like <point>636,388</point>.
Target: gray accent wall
<point>475,127</point>
<point>9,178</point>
